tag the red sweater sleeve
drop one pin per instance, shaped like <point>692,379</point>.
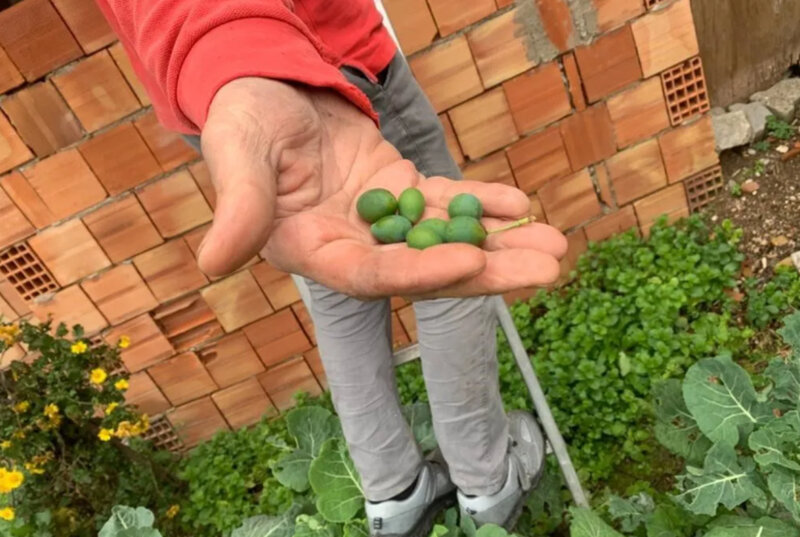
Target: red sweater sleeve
<point>185,50</point>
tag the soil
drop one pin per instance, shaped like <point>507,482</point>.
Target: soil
<point>770,216</point>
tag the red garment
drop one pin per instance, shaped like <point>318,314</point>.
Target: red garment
<point>185,50</point>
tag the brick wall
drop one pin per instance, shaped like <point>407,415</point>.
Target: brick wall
<point>593,108</point>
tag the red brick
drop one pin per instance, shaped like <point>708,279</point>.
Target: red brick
<point>96,91</point>
<point>168,147</point>
<point>638,113</point>
<point>588,136</point>
<point>397,302</point>
<point>244,403</point>
<point>538,159</point>
<point>498,46</point>
<point>278,286</point>
<point>484,124</point>
<point>175,204</point>
<point>503,3</point>
<point>283,381</point>
<point>170,270</point>
<point>120,158</point>
<point>9,295</point>
<point>452,141</point>
<point>7,313</point>
<point>300,311</point>
<point>492,169</point>
<point>556,18</point>
<point>447,73</point>
<point>123,62</point>
<point>670,201</point>
<point>182,378</point>
<point>277,337</point>
<point>412,22</point>
<point>42,118</point>
<point>13,224</point>
<point>86,22</point>
<point>453,15</point>
<point>637,171</point>
<point>231,360</point>
<point>314,362</point>
<point>10,76</point>
<point>536,209</point>
<point>665,37</point>
<point>13,151</point>
<point>613,13</point>
<point>409,321</point>
<point>612,224</point>
<point>145,395</point>
<point>689,149</point>
<point>122,229</point>
<point>36,39</point>
<point>188,322</point>
<point>576,246</point>
<point>148,344</point>
<point>570,201</point>
<point>202,177</point>
<point>237,300</point>
<point>65,183</point>
<point>399,336</point>
<point>120,294</point>
<point>537,98</point>
<point>69,251</point>
<point>70,306</point>
<point>574,82</point>
<point>608,64</point>
<point>197,421</point>
<point>604,184</point>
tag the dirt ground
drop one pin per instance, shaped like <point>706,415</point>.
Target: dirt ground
<point>770,215</point>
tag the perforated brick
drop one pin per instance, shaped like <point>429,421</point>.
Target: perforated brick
<point>162,435</point>
<point>685,89</point>
<point>26,272</point>
<point>703,187</point>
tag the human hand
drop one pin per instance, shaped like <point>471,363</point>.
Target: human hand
<point>288,164</point>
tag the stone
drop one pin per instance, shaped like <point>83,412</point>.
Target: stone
<point>782,98</point>
<point>731,130</point>
<point>750,186</point>
<point>717,111</point>
<point>782,149</point>
<point>757,115</point>
<point>780,240</point>
<point>796,260</point>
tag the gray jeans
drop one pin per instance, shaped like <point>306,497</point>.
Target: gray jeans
<point>456,337</point>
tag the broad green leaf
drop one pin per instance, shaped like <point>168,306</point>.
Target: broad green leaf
<point>468,527</point>
<point>671,520</point>
<point>785,486</point>
<point>721,397</point>
<point>267,526</point>
<point>139,532</point>
<point>586,523</point>
<point>335,482</point>
<point>356,528</point>
<point>631,512</point>
<point>785,375</point>
<point>739,526</point>
<point>548,499</point>
<point>314,526</point>
<point>421,423</point>
<point>291,470</point>
<point>127,518</point>
<point>490,530</point>
<point>675,427</point>
<point>722,480</point>
<point>772,442</point>
<point>311,426</point>
<point>439,531</point>
<point>791,332</point>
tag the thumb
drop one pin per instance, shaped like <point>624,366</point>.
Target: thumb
<point>244,181</point>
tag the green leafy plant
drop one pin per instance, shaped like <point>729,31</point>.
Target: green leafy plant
<point>129,522</point>
<point>761,145</point>
<point>736,190</point>
<point>779,129</point>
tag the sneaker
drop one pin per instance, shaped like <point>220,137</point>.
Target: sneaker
<point>414,515</point>
<point>526,452</point>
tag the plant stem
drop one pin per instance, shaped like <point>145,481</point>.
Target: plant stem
<point>512,225</point>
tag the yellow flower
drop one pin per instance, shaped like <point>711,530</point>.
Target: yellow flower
<point>19,435</point>
<point>124,429</point>
<point>121,385</point>
<point>5,444</point>
<point>111,407</point>
<point>124,342</point>
<point>51,411</point>
<point>105,434</point>
<point>98,376</point>
<point>9,334</point>
<point>173,511</point>
<point>79,347</point>
<point>10,480</point>
<point>33,468</point>
<point>21,407</point>
<point>7,513</point>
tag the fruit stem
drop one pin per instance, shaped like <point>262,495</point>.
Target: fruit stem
<point>512,225</point>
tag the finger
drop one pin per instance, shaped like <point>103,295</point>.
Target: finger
<point>540,237</point>
<point>498,200</point>
<point>245,186</point>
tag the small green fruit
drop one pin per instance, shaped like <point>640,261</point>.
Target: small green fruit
<point>422,237</point>
<point>436,224</point>
<point>412,204</point>
<point>465,205</point>
<point>390,229</point>
<point>465,229</point>
<point>374,204</point>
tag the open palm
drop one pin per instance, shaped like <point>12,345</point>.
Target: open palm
<point>289,164</point>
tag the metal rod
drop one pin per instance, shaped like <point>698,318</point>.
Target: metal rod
<point>540,403</point>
